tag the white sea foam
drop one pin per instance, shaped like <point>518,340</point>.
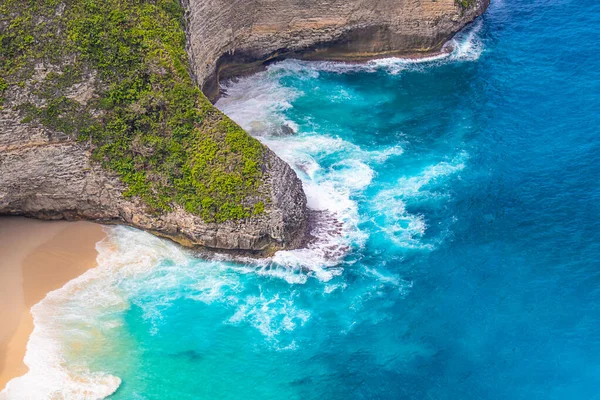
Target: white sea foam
<point>172,274</point>
<point>48,377</point>
<point>270,315</point>
<point>134,267</point>
<point>259,102</point>
<point>64,316</point>
<point>258,108</point>
<point>329,190</point>
<point>467,44</point>
<point>403,228</point>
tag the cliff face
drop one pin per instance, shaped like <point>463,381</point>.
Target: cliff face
<point>51,176</point>
<point>100,119</point>
<point>95,126</point>
<point>228,37</point>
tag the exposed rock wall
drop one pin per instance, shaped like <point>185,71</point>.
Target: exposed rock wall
<point>47,175</point>
<point>229,36</point>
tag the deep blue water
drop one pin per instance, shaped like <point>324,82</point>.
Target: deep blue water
<point>469,193</point>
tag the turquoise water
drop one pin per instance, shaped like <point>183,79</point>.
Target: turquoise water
<point>458,254</point>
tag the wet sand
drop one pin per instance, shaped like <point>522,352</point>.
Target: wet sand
<point>36,257</point>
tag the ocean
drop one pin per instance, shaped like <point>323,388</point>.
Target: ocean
<point>457,257</point>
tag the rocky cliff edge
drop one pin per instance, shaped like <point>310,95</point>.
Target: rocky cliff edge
<point>52,168</point>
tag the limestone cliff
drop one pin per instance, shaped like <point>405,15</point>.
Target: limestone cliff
<point>228,37</point>
<point>49,177</point>
<point>99,118</point>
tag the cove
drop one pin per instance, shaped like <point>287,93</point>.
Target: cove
<point>458,238</point>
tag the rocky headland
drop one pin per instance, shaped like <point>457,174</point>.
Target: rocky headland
<point>101,117</point>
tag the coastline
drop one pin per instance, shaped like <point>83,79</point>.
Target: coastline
<point>233,72</point>
<point>36,257</point>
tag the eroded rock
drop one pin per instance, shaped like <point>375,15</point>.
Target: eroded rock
<point>48,174</point>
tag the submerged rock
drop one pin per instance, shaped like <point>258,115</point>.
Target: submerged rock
<point>286,130</point>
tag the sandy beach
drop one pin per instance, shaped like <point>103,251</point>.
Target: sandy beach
<point>36,257</point>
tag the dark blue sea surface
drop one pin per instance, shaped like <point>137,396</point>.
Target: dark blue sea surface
<point>458,253</point>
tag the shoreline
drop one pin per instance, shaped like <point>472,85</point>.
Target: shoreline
<point>36,257</point>
<point>243,70</point>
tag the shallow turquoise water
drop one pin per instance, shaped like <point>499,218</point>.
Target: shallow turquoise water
<point>468,263</point>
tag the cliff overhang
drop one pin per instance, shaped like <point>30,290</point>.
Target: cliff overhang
<point>225,42</point>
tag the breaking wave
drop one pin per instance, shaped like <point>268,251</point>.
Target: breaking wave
<point>259,103</point>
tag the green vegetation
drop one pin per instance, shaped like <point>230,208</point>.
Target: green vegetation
<point>146,120</point>
<point>465,3</point>
<point>3,87</point>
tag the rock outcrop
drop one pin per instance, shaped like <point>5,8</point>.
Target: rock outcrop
<point>230,37</point>
<point>50,176</point>
<point>45,173</point>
